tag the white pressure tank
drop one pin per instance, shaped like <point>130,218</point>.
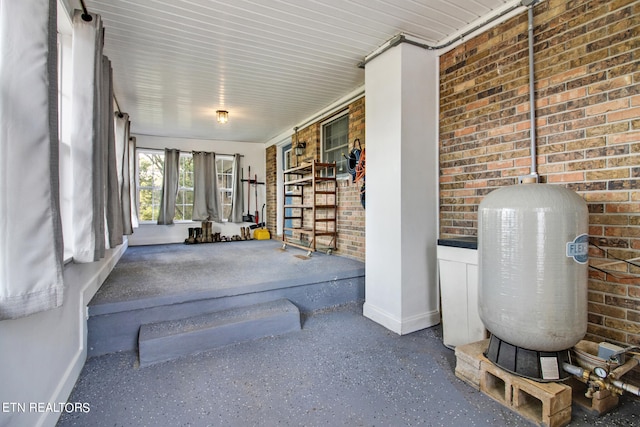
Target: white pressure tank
<point>532,249</point>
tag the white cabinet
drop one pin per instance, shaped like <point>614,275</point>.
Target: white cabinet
<point>458,271</point>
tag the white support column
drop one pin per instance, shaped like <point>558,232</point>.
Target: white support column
<point>401,87</point>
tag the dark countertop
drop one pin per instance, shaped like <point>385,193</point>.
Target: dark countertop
<point>467,242</point>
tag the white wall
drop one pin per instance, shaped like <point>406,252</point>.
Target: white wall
<point>401,290</point>
<point>41,355</point>
<point>254,156</point>
<point>383,121</point>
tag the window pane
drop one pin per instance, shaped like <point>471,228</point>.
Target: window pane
<point>336,143</point>
<point>150,172</point>
<point>146,205</point>
<point>224,165</point>
<point>179,216</point>
<point>184,199</point>
<point>184,205</point>
<point>226,197</point>
<point>149,204</point>
<point>188,178</point>
<point>225,200</point>
<point>157,195</point>
<point>150,169</point>
<point>186,171</point>
<point>146,171</point>
<point>227,181</point>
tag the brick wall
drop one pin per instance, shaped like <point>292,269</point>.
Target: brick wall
<point>271,190</point>
<point>350,213</point>
<point>588,135</point>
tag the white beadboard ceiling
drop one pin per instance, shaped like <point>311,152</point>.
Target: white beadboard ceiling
<point>270,63</point>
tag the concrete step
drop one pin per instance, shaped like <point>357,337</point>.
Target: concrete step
<point>167,340</point>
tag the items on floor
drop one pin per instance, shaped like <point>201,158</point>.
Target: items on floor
<point>205,234</point>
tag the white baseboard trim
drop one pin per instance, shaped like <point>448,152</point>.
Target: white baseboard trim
<point>420,321</point>
<point>381,317</point>
<point>401,326</point>
<point>64,389</point>
<point>92,283</point>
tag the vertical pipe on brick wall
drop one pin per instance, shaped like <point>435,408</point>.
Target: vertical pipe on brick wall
<point>532,95</point>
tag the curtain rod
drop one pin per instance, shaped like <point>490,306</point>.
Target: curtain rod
<point>88,18</point>
<point>85,14</point>
<point>186,152</point>
<point>118,106</point>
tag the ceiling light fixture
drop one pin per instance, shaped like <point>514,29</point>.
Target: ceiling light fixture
<point>222,116</point>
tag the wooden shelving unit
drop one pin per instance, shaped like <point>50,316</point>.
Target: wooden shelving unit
<point>309,221</point>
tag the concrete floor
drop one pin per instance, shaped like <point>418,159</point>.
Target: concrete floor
<point>165,273</point>
<point>341,369</point>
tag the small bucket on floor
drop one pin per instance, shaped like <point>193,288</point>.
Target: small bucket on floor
<point>261,234</point>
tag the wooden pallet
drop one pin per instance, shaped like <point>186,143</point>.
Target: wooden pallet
<point>546,404</point>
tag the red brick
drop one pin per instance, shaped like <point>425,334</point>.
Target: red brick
<point>567,177</point>
<point>611,84</point>
<point>619,104</point>
<point>623,138</point>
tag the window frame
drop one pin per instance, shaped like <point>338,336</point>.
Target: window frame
<point>323,152</point>
<point>184,189</point>
<point>222,189</point>
<point>139,187</point>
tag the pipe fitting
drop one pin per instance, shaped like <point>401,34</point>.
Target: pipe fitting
<point>594,382</point>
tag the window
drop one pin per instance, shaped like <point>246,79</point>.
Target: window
<point>184,201</point>
<point>150,178</point>
<point>335,143</point>
<point>224,165</point>
<point>150,167</point>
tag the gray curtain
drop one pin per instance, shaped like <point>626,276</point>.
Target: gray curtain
<point>133,173</point>
<point>123,166</point>
<point>236,202</point>
<point>169,186</point>
<point>113,199</point>
<point>31,251</point>
<point>206,203</point>
<point>99,165</point>
<point>88,153</point>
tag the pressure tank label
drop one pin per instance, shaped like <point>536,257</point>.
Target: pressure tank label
<point>579,249</point>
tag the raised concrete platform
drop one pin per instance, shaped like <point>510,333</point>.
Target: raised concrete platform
<point>162,341</point>
<point>170,282</point>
